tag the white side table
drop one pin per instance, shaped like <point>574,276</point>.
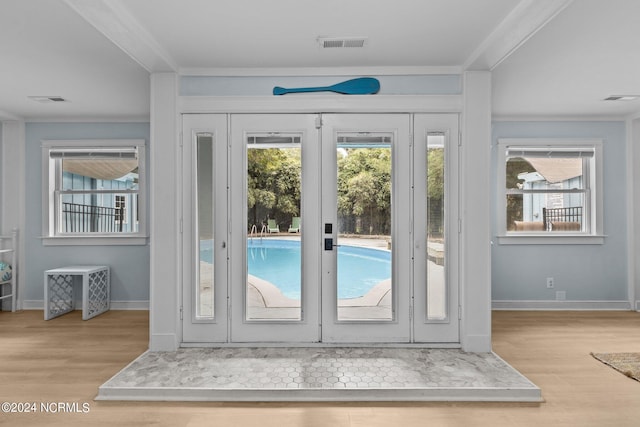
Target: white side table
<point>59,295</point>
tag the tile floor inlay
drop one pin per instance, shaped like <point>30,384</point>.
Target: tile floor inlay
<point>249,374</point>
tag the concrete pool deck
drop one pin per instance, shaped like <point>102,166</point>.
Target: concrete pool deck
<point>266,302</point>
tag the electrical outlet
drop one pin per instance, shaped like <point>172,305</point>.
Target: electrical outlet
<point>550,283</point>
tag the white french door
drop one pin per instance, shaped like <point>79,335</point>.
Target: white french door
<point>366,218</point>
<point>332,228</point>
<point>204,228</point>
<point>435,228</point>
<point>274,178</point>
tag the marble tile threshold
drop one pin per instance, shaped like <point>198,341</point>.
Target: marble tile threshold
<point>272,374</point>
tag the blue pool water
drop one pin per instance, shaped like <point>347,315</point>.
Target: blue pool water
<point>278,262</point>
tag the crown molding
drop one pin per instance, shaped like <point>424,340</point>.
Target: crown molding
<point>526,19</point>
<point>557,118</point>
<point>117,24</point>
<point>320,71</point>
<point>6,116</point>
<point>97,119</point>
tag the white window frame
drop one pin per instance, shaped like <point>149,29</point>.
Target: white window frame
<point>592,181</point>
<point>50,182</point>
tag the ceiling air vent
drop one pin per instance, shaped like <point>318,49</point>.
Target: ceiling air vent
<point>333,42</point>
<point>47,99</point>
<point>622,98</point>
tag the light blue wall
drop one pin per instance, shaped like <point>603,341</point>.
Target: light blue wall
<point>129,264</point>
<point>1,170</point>
<point>585,272</point>
<point>436,84</point>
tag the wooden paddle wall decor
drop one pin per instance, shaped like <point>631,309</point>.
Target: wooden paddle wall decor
<point>359,86</point>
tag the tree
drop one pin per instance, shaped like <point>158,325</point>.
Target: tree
<point>273,184</point>
<point>364,190</point>
<point>435,191</point>
<point>515,166</point>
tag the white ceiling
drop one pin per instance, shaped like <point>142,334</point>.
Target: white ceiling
<point>47,49</point>
<point>549,57</point>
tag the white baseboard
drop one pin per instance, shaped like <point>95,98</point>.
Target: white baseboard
<point>130,305</point>
<point>560,305</point>
<point>495,305</point>
<point>33,304</point>
<point>115,305</point>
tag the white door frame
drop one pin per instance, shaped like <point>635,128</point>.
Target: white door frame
<point>401,329</point>
<point>473,103</point>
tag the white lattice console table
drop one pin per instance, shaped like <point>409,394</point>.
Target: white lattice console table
<point>59,297</point>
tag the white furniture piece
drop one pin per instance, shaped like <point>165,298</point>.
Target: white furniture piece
<point>59,297</point>
<point>10,253</point>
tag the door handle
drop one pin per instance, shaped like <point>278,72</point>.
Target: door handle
<point>328,245</point>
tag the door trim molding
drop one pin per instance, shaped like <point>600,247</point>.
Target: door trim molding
<point>321,103</point>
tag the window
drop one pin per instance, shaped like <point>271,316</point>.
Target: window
<point>92,191</point>
<point>549,191</point>
<point>121,210</point>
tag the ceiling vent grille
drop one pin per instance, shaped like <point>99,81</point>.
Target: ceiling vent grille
<point>622,98</point>
<point>47,99</point>
<point>339,42</point>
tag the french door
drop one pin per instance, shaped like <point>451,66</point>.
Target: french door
<point>366,222</point>
<point>274,178</point>
<point>204,228</point>
<point>333,228</point>
<point>435,236</point>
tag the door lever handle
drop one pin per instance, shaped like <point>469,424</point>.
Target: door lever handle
<point>328,244</point>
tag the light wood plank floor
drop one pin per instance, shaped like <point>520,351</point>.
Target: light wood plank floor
<point>66,359</point>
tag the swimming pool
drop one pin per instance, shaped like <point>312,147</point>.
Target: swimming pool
<point>278,261</point>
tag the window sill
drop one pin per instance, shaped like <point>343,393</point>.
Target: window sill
<point>551,239</point>
<point>138,240</point>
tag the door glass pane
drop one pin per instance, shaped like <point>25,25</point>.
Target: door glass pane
<point>204,202</point>
<point>436,185</point>
<point>274,267</point>
<point>364,286</point>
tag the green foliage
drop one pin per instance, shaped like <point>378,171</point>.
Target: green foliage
<point>435,191</point>
<point>273,187</point>
<point>515,167</point>
<point>364,190</point>
<point>435,173</point>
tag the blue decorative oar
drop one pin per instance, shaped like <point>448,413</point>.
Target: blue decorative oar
<point>359,86</point>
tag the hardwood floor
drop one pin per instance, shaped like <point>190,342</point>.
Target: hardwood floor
<point>66,359</point>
